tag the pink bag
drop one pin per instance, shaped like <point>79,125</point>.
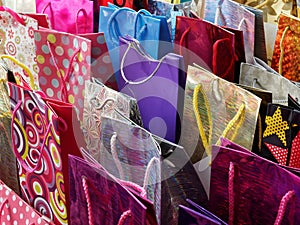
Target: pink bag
<point>64,62</point>
<point>14,210</point>
<point>68,16</point>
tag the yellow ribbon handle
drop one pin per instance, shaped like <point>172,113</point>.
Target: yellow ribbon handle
<point>205,140</point>
<point>24,67</point>
<point>237,120</point>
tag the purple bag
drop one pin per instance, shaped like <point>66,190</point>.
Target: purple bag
<point>158,86</point>
<point>97,198</point>
<point>242,189</point>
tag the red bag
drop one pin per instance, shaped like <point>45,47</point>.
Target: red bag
<point>207,45</point>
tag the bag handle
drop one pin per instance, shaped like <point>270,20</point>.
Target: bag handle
<point>89,205</point>
<point>215,57</point>
<point>119,5</point>
<point>290,195</point>
<point>15,15</point>
<point>25,68</point>
<point>142,190</point>
<point>237,120</point>
<point>17,154</point>
<point>86,20</point>
<point>182,39</point>
<point>133,45</point>
<point>100,106</point>
<point>5,201</point>
<point>113,37</point>
<point>282,49</point>
<point>63,88</point>
<point>51,11</point>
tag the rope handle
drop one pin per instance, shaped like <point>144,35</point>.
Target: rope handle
<point>282,49</point>
<point>24,67</point>
<point>113,37</point>
<point>132,45</point>
<point>86,20</point>
<point>51,11</point>
<point>17,154</point>
<point>15,15</point>
<point>215,62</point>
<point>237,119</point>
<point>119,5</point>
<point>182,39</point>
<point>288,197</point>
<point>63,88</point>
<point>100,106</point>
<point>88,200</point>
<point>142,30</point>
<point>141,190</point>
<point>124,216</point>
<point>205,140</point>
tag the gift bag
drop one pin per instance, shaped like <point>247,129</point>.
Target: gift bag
<point>44,132</point>
<point>15,210</point>
<point>130,154</point>
<point>242,187</point>
<point>98,198</point>
<point>286,56</point>
<point>231,14</point>
<point>42,19</point>
<point>8,163</point>
<point>100,101</point>
<point>281,135</point>
<point>17,41</point>
<point>215,108</point>
<point>157,85</point>
<point>64,62</point>
<point>152,31</point>
<point>213,51</point>
<point>101,66</point>
<point>68,16</point>
<point>179,181</point>
<point>260,78</point>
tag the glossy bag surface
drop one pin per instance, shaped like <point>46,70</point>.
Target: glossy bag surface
<point>98,198</point>
<point>157,85</point>
<point>208,51</point>
<point>215,108</point>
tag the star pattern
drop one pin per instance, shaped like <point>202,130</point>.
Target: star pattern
<point>275,125</point>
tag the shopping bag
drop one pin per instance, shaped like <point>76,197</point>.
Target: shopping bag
<point>231,14</point>
<point>17,35</point>
<point>98,198</point>
<point>242,187</point>
<point>101,66</point>
<point>179,181</point>
<point>260,78</point>
<point>42,19</point>
<point>44,132</point>
<point>281,135</point>
<point>68,16</point>
<point>152,31</point>
<point>129,153</point>
<point>208,51</point>
<point>64,62</point>
<point>15,210</point>
<point>286,56</point>
<point>215,108</point>
<point>8,163</point>
<point>100,101</point>
<point>158,83</point>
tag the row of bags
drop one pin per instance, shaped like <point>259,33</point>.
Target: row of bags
<point>151,168</point>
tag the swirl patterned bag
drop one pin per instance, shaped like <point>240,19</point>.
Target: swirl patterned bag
<point>44,132</point>
<point>100,101</point>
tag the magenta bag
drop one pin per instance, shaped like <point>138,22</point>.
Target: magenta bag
<point>247,189</point>
<point>69,16</point>
<point>97,198</point>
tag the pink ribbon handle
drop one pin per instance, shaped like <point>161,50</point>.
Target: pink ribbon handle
<point>15,15</point>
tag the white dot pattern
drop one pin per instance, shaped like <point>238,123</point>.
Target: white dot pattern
<point>280,154</point>
<point>17,211</point>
